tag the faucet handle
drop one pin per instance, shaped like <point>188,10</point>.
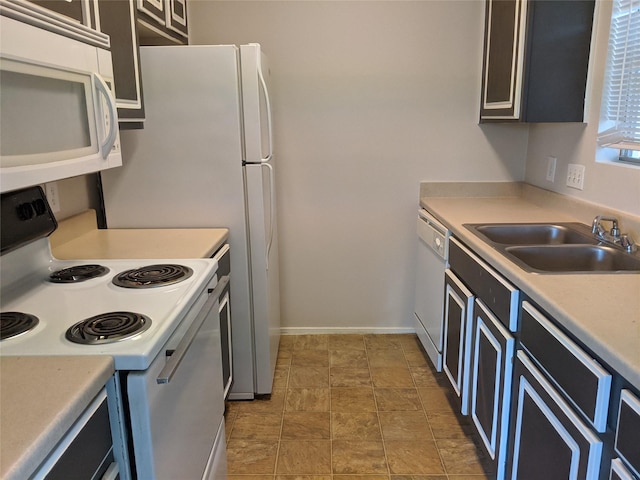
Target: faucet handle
<point>627,243</point>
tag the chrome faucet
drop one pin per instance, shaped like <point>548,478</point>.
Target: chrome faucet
<point>613,236</point>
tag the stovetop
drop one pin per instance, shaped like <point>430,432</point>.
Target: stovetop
<point>26,288</point>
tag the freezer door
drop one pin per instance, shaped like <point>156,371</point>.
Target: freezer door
<point>256,104</point>
<point>263,235</point>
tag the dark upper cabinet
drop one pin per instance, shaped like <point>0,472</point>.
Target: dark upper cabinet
<point>162,22</point>
<point>536,58</point>
<point>72,9</point>
<point>118,20</point>
<point>80,11</point>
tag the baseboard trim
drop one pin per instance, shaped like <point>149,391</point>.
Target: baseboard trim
<point>345,330</point>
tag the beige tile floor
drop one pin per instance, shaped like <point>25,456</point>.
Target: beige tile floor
<point>353,407</point>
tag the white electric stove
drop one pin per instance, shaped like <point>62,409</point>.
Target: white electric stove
<point>27,288</point>
<point>158,319</point>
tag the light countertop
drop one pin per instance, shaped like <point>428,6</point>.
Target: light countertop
<point>40,399</point>
<point>79,238</point>
<point>601,310</point>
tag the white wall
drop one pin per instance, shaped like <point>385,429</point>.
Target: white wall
<point>615,186</point>
<point>370,98</point>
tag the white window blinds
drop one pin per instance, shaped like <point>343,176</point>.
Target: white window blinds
<point>620,117</point>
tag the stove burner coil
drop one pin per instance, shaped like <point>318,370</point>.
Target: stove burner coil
<point>13,324</point>
<point>79,273</point>
<point>152,276</point>
<point>108,328</point>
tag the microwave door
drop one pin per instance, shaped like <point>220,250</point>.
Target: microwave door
<point>57,111</point>
<point>46,115</point>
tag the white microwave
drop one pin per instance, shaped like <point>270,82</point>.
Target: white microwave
<point>58,117</point>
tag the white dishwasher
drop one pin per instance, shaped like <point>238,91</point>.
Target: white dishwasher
<point>433,252</point>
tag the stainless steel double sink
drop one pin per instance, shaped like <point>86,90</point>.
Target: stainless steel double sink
<point>555,248</point>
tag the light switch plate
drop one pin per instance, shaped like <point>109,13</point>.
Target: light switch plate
<point>575,176</point>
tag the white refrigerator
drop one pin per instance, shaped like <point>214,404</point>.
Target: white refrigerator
<point>205,159</point>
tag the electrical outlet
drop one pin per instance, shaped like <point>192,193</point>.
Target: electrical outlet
<point>551,168</point>
<point>51,192</point>
<point>575,176</point>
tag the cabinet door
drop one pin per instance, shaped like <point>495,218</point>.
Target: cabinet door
<point>225,339</point>
<point>493,348</point>
<point>503,59</point>
<point>154,9</point>
<point>627,439</point>
<point>548,439</point>
<point>223,257</point>
<point>162,22</point>
<point>176,16</point>
<point>458,314</point>
<point>118,20</point>
<point>618,471</point>
<point>69,8</point>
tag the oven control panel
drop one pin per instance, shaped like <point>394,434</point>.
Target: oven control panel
<point>25,216</point>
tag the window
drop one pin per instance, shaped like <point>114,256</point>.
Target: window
<point>620,117</point>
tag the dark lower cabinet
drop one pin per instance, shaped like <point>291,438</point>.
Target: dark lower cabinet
<point>225,337</point>
<point>86,450</point>
<point>619,471</point>
<point>492,359</point>
<point>627,436</point>
<point>223,257</point>
<point>548,440</point>
<point>458,314</point>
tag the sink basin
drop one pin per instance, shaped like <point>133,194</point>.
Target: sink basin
<point>573,258</point>
<point>534,233</point>
<point>555,248</point>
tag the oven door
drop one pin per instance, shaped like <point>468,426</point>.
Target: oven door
<point>177,405</point>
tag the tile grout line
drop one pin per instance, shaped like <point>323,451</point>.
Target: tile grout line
<point>375,401</point>
<point>424,412</point>
<point>331,474</point>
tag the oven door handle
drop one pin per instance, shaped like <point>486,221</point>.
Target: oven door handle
<point>173,363</point>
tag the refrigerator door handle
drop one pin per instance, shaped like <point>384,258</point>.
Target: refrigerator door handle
<point>263,84</point>
<point>272,215</point>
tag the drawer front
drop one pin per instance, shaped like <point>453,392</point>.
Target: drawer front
<point>581,378</point>
<point>627,443</point>
<point>499,295</point>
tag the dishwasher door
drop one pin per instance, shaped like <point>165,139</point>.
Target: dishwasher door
<point>433,246</point>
